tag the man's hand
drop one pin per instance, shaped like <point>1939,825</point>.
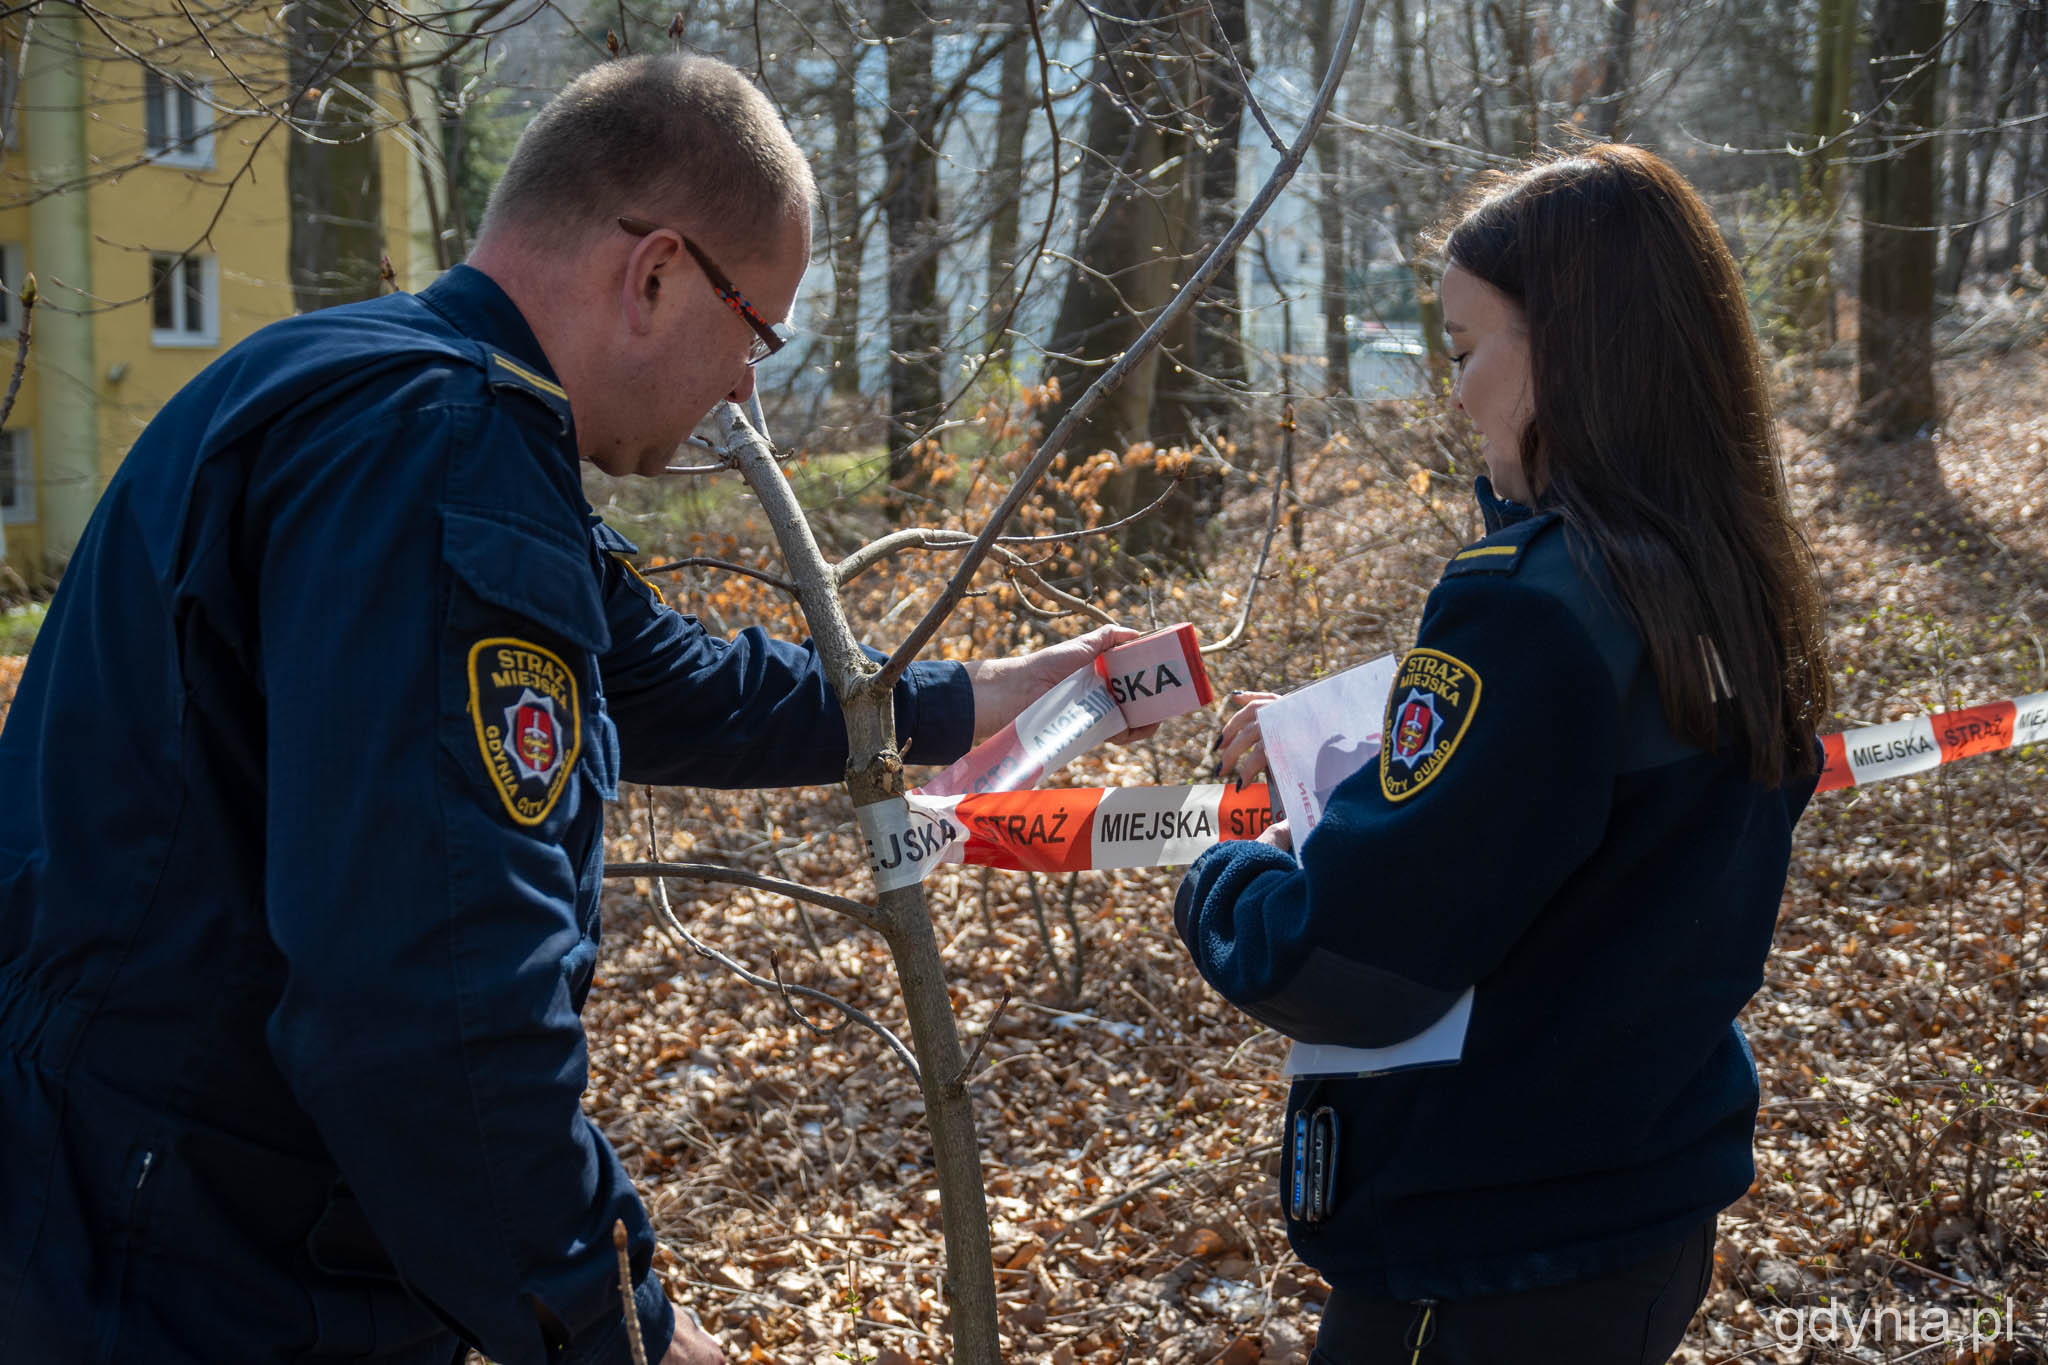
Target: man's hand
<point>1004,687</point>
<point>690,1344</point>
<point>1240,750</point>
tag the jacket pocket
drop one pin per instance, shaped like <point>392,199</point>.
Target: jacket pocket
<point>361,1306</point>
<point>521,686</point>
<point>520,567</point>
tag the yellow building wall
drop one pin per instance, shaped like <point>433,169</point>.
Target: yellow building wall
<point>235,210</point>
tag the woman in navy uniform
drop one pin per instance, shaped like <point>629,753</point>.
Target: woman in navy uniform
<point>1581,814</point>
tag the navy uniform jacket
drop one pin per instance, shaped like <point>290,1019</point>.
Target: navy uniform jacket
<point>300,839</point>
<point>1533,829</point>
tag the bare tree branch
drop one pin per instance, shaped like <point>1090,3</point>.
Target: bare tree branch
<point>853,1013</point>
<point>21,341</point>
<point>713,872</point>
<point>619,1240</point>
<point>1251,587</point>
<point>726,565</point>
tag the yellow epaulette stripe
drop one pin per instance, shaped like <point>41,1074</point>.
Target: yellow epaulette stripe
<point>533,379</point>
<point>1485,550</point>
<point>627,565</point>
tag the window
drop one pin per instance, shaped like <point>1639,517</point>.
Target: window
<point>176,129</point>
<point>183,308</point>
<point>12,272</point>
<point>17,477</point>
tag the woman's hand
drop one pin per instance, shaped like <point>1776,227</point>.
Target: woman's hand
<point>1278,835</point>
<point>1240,751</point>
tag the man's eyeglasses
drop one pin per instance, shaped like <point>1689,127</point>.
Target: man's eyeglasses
<point>767,341</point>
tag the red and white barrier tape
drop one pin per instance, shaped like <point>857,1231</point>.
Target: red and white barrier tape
<point>1139,683</point>
<point>1108,827</point>
<point>978,811</point>
<point>1070,829</point>
<point>1876,752</point>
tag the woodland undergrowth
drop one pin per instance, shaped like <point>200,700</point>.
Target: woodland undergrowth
<point>1128,1115</point>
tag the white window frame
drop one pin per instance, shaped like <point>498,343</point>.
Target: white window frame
<point>13,270</point>
<point>185,329</point>
<point>18,465</point>
<point>177,119</point>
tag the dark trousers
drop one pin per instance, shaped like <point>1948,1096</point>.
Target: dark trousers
<point>1635,1316</point>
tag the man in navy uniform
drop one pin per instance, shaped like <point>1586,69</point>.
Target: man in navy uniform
<point>301,797</point>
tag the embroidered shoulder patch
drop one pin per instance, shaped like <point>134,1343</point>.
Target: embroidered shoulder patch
<point>529,727</point>
<point>1428,712</point>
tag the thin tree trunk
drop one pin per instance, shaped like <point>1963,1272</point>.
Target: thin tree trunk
<point>916,314</point>
<point>1206,387</point>
<point>436,183</point>
<point>1219,321</point>
<point>1425,40</point>
<point>1895,345</point>
<point>2030,144</point>
<point>1517,38</point>
<point>874,775</point>
<point>335,175</point>
<point>875,778</point>
<point>2026,40</point>
<point>1330,223</point>
<point>842,204</point>
<point>1471,12</point>
<point>1966,81</point>
<point>1429,308</point>
<point>1987,112</point>
<point>1133,240</point>
<point>1013,120</point>
<point>1810,289</point>
<point>1614,69</point>
<point>448,79</point>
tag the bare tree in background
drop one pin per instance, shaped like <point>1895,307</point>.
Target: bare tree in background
<point>842,209</point>
<point>335,162</point>
<point>917,321</point>
<point>1810,290</point>
<point>1895,337</point>
<point>1138,196</point>
<point>1330,195</point>
<point>1014,112</point>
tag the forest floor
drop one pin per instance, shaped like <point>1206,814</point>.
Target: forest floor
<point>1128,1116</point>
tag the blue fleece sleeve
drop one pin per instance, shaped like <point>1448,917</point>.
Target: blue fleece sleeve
<point>1492,786</point>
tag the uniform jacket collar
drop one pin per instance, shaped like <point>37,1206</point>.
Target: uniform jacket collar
<point>1498,511</point>
<point>474,304</point>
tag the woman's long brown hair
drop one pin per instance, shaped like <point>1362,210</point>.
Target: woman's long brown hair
<point>1653,437</point>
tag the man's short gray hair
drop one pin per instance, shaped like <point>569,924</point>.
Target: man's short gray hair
<point>684,140</point>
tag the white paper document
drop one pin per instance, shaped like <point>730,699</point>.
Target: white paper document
<point>1441,1044</point>
<point>1316,736</point>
